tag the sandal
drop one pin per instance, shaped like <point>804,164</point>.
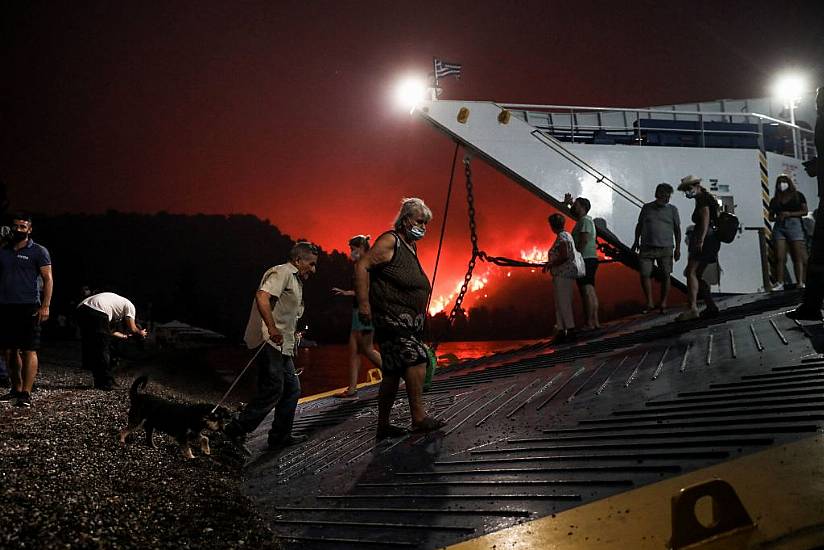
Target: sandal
<point>346,394</point>
<point>428,424</point>
<point>389,432</point>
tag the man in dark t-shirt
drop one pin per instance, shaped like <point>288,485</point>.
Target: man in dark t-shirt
<point>23,265</point>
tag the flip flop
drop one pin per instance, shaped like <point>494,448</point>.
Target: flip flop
<point>428,424</point>
<point>346,395</point>
<point>389,432</point>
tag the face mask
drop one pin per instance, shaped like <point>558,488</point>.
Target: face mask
<point>416,233</point>
<point>19,236</point>
<point>691,194</point>
<point>783,186</point>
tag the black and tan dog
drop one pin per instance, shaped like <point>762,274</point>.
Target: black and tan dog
<point>185,422</point>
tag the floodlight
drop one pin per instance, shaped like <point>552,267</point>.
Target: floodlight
<point>410,92</point>
<point>790,87</point>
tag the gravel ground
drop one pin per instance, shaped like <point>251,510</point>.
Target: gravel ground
<point>66,482</point>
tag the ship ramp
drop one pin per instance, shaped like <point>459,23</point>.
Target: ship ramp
<point>577,446</point>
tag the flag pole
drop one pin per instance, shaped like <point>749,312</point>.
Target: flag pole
<point>435,70</point>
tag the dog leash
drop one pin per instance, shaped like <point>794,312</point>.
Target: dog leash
<point>238,377</point>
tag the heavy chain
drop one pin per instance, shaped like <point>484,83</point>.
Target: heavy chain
<point>473,235</point>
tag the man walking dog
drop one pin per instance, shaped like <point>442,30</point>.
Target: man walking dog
<point>276,309</point>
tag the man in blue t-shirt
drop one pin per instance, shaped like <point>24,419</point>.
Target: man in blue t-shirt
<point>23,265</point>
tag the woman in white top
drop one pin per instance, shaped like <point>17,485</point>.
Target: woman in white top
<point>561,265</point>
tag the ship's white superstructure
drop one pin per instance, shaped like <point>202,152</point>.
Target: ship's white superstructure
<point>616,157</point>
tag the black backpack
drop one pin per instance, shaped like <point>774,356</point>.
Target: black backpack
<point>727,227</point>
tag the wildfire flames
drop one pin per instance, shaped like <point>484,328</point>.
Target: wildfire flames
<point>478,283</point>
<point>536,255</point>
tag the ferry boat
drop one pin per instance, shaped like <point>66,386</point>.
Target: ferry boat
<point>613,441</point>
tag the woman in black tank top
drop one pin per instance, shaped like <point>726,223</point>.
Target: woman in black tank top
<point>392,292</point>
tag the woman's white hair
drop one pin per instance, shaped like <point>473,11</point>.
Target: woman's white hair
<point>411,207</point>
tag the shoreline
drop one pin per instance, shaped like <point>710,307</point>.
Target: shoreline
<point>68,482</point>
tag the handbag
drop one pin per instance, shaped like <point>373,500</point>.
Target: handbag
<point>578,261</point>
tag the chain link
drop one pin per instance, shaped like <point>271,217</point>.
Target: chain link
<point>473,235</point>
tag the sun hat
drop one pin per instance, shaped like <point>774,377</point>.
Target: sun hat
<point>687,182</point>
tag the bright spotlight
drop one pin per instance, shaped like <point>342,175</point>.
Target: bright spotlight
<point>790,87</point>
<point>410,92</point>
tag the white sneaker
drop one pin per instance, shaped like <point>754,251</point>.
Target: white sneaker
<point>777,288</point>
<point>801,285</point>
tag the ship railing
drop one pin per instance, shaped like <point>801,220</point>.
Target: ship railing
<point>650,127</point>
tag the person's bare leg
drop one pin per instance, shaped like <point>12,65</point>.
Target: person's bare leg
<point>368,349</point>
<point>29,370</point>
<point>665,288</point>
<point>414,377</point>
<point>585,304</point>
<point>14,364</point>
<point>646,286</point>
<point>595,308</point>
<point>354,363</point>
<point>704,288</point>
<point>692,285</point>
<point>798,251</point>
<point>386,398</point>
<point>780,260</point>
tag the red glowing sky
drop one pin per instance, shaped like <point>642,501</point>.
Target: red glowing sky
<point>282,109</point>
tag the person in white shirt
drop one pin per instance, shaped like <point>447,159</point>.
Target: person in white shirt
<point>95,316</point>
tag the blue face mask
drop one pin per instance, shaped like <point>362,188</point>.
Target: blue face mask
<point>416,233</point>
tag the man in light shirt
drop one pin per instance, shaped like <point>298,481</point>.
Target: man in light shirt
<point>657,232</point>
<point>277,306</point>
<point>95,315</point>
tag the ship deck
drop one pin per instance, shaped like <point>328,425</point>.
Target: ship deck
<point>545,430</point>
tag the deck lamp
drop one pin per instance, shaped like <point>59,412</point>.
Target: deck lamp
<point>410,92</point>
<point>790,88</point>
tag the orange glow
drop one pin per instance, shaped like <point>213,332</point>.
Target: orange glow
<point>477,283</point>
<point>535,255</point>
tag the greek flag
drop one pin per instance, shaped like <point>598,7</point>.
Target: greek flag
<point>445,68</point>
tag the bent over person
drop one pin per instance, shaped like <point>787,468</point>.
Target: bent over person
<point>95,316</point>
<point>23,265</point>
<point>277,306</point>
<point>392,291</point>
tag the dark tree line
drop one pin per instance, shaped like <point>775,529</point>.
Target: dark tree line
<point>204,269</point>
<point>200,269</point>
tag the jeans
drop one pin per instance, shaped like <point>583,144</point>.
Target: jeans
<point>278,387</point>
<point>95,345</point>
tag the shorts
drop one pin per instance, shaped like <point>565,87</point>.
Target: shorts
<point>789,230</point>
<point>650,255</point>
<point>399,352</point>
<point>357,326</point>
<point>709,252</point>
<point>19,327</point>
<point>589,276</point>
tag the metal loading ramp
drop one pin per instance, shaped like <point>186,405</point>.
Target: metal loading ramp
<point>541,430</point>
